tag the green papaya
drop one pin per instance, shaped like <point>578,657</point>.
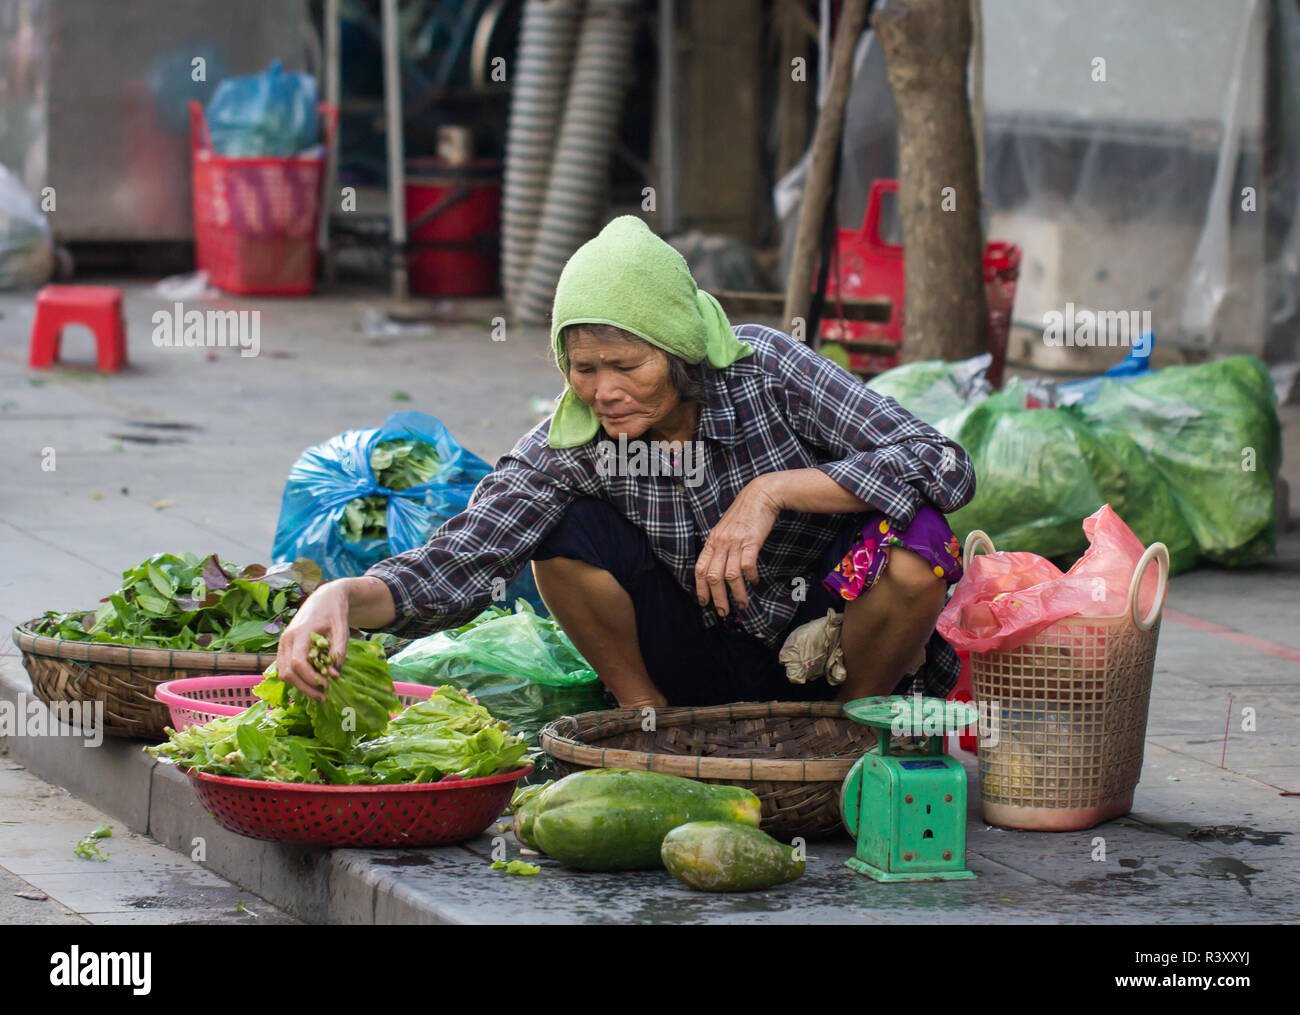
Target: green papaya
<point>523,803</point>
<point>722,856</point>
<point>616,819</point>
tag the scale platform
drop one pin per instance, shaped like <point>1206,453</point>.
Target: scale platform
<point>904,801</point>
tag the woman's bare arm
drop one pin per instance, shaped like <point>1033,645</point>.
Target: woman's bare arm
<point>811,491</point>
<point>731,551</point>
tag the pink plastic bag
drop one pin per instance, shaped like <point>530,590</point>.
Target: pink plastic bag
<point>1004,599</point>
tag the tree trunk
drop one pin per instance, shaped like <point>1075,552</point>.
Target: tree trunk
<point>927,46</point>
<point>821,167</point>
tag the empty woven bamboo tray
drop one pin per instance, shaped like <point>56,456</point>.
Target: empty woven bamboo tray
<point>793,755</point>
<point>123,677</point>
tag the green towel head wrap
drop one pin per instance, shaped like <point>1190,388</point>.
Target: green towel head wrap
<point>628,277</point>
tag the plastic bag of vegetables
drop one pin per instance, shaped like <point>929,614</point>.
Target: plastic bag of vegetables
<point>365,495</point>
<point>522,667</point>
<point>1211,432</point>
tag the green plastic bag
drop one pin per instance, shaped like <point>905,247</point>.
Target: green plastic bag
<point>521,667</point>
<point>1040,472</point>
<point>1033,479</point>
<point>1187,456</point>
<point>927,389</point>
<point>1211,431</point>
<point>1130,483</point>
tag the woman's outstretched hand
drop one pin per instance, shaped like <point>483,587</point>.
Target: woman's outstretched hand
<point>731,552</point>
<point>331,610</point>
<point>325,612</point>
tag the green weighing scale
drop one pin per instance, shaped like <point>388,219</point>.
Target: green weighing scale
<point>905,802</point>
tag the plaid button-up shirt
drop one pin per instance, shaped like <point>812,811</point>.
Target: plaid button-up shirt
<point>785,407</point>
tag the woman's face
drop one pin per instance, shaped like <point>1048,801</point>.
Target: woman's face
<point>626,384</point>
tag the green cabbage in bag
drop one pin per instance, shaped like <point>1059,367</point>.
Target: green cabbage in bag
<point>1211,431</point>
<point>1131,484</point>
<point>1033,481</point>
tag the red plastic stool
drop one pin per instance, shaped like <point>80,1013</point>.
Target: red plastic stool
<point>98,307</point>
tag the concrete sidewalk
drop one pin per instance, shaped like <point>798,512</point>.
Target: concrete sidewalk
<point>140,881</point>
<point>188,449</point>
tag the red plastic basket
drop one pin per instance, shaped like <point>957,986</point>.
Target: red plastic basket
<point>255,219</point>
<point>419,814</point>
<point>197,700</point>
<point>865,266</point>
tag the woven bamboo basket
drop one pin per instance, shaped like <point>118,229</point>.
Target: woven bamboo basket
<point>792,755</point>
<point>123,677</point>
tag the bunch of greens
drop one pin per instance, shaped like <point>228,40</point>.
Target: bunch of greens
<point>446,735</point>
<point>364,518</point>
<point>397,465</point>
<point>182,601</point>
<point>348,739</point>
<point>402,464</point>
<point>262,742</point>
<point>357,702</point>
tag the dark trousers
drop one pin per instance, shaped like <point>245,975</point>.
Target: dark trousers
<point>690,663</point>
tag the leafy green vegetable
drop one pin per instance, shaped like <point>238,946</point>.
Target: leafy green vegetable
<point>397,465</point>
<point>524,794</point>
<point>349,739</point>
<point>359,700</point>
<point>446,735</point>
<point>283,749</point>
<point>516,867</point>
<point>401,464</point>
<point>88,845</point>
<point>182,601</point>
<point>364,518</point>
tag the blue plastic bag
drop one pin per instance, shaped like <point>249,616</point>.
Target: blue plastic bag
<point>326,477</point>
<point>1136,364</point>
<point>272,113</point>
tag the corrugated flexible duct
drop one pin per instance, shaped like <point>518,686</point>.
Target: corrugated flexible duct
<point>548,37</point>
<point>576,191</point>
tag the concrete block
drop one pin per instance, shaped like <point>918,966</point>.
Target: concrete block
<point>114,774</point>
<point>292,878</point>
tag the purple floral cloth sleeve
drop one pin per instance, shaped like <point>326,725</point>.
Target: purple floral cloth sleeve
<point>927,535</point>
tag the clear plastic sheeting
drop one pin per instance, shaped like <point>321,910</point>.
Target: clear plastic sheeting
<point>1123,153</point>
<point>868,147</point>
<point>24,126</point>
<point>26,245</point>
<point>1144,156</point>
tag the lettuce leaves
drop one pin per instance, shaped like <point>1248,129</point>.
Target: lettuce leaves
<point>349,738</point>
<point>358,701</point>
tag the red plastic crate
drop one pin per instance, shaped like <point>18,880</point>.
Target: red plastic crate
<point>864,266</point>
<point>255,219</point>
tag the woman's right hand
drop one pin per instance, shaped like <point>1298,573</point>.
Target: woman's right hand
<point>325,612</point>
